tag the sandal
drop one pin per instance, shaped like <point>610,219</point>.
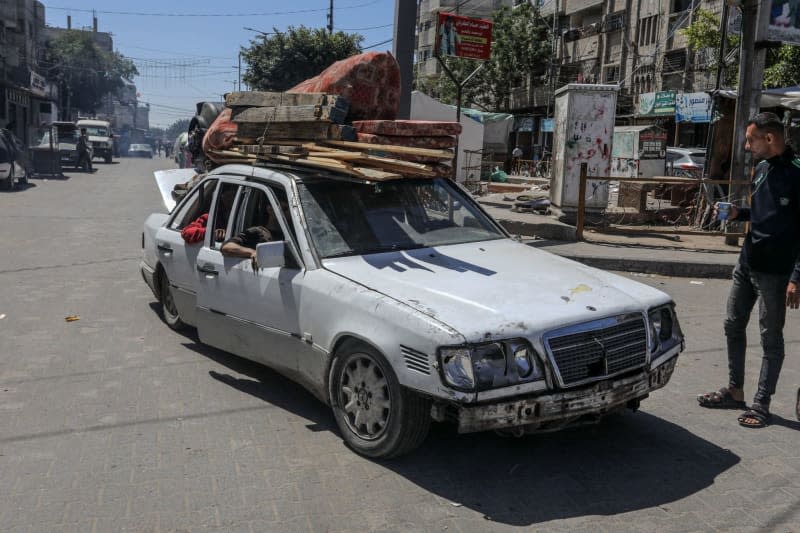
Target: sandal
<point>722,399</point>
<point>756,417</point>
<point>797,405</point>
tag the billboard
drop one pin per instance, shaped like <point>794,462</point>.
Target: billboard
<point>693,107</point>
<point>784,21</point>
<point>656,104</point>
<point>463,37</point>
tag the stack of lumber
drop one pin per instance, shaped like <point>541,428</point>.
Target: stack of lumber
<point>308,129</point>
<point>416,134</point>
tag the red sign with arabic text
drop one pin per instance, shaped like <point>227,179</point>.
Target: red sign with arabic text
<point>463,37</point>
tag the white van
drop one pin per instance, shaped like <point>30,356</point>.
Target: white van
<point>99,132</point>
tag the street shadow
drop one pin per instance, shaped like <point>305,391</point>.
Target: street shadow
<point>18,187</point>
<point>629,462</point>
<point>44,177</point>
<point>265,384</point>
<point>784,422</point>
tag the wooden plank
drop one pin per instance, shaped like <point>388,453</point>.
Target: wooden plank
<point>396,165</point>
<point>373,174</point>
<point>660,231</point>
<point>297,113</point>
<point>270,149</point>
<point>266,99</point>
<point>317,164</point>
<point>443,154</point>
<point>342,132</point>
<point>337,154</point>
<point>298,131</point>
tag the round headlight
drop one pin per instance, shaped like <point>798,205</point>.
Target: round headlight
<point>457,368</point>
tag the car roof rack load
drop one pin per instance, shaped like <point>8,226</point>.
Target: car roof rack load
<point>311,130</point>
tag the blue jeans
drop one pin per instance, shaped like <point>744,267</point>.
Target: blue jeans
<point>770,292</point>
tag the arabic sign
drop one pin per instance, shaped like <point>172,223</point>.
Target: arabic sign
<point>547,125</point>
<point>784,24</point>
<point>463,37</point>
<point>656,104</point>
<point>693,107</point>
<point>38,84</point>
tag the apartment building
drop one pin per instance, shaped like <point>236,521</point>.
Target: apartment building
<point>26,96</point>
<point>637,45</point>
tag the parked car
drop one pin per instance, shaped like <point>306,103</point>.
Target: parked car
<point>12,167</point>
<point>688,162</point>
<point>402,301</point>
<point>140,150</point>
<point>64,137</point>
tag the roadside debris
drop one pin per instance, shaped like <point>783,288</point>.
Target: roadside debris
<point>72,318</point>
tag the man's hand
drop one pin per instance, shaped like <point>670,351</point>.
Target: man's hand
<point>219,235</point>
<point>254,261</point>
<point>792,296</point>
<point>733,212</point>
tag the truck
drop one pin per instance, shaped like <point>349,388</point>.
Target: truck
<point>100,135</point>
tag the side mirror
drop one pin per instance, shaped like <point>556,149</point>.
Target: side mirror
<point>270,254</point>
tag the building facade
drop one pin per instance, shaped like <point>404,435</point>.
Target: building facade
<point>28,95</point>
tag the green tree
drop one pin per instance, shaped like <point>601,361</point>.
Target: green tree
<point>177,127</point>
<point>704,35</point>
<point>85,72</point>
<point>783,67</point>
<point>782,64</point>
<point>521,52</point>
<point>280,61</point>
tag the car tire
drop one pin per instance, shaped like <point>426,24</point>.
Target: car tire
<point>168,309</point>
<point>107,159</point>
<point>376,416</point>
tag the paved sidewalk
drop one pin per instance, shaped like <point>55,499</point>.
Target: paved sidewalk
<point>698,256</point>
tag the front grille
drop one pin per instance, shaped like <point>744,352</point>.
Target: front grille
<point>593,351</point>
<point>415,360</point>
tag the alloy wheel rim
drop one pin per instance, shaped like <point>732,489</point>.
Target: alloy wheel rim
<point>365,398</point>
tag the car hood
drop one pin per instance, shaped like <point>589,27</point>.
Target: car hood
<point>494,289</point>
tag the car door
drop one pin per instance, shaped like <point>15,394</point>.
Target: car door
<point>250,313</point>
<point>177,257</point>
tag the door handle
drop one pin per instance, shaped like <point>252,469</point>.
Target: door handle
<point>207,270</point>
<point>166,249</point>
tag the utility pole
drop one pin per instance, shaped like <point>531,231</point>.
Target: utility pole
<point>755,22</point>
<point>405,21</point>
<point>240,70</point>
<point>330,19</point>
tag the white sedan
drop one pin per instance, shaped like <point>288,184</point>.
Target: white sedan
<point>140,150</point>
<point>401,302</point>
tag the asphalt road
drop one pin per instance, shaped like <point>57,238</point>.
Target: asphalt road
<point>113,422</point>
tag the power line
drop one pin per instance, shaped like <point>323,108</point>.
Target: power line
<point>215,15</point>
<point>377,44</point>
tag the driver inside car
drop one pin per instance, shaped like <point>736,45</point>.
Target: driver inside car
<point>244,244</point>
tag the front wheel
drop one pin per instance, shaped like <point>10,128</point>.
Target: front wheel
<point>168,308</point>
<point>376,416</point>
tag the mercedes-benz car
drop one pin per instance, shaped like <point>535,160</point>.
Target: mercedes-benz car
<point>400,302</point>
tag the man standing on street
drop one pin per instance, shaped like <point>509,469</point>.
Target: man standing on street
<point>768,270</point>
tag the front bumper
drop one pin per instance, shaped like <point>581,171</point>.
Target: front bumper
<point>555,411</point>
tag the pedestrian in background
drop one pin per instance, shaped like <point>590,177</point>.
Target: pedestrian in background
<point>767,271</point>
<point>516,155</point>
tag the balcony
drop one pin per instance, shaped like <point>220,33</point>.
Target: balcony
<point>530,97</point>
<point>585,48</point>
<point>576,6</point>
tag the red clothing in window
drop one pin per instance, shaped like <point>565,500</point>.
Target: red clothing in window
<point>196,231</point>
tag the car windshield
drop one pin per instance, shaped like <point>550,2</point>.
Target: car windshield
<point>96,131</point>
<point>359,218</point>
<point>68,136</point>
<point>139,147</point>
<point>699,158</point>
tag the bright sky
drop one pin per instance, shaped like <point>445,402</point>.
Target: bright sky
<point>187,50</point>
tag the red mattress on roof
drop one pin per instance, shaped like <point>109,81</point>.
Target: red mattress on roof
<point>371,82</point>
<point>408,128</point>
<point>444,141</point>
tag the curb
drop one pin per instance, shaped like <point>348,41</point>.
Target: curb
<point>662,268</point>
